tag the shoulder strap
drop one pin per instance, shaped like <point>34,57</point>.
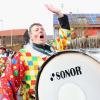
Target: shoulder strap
<point>41,50</point>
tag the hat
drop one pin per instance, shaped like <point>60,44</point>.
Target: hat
<point>3,48</point>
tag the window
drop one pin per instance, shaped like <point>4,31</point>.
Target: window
<point>82,20</point>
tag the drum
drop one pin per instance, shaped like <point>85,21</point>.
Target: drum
<point>69,75</point>
<point>95,53</point>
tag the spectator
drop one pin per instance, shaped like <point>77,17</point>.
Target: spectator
<point>3,59</point>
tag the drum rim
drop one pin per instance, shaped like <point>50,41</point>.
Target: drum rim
<point>49,59</point>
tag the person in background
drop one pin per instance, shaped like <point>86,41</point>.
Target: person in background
<point>3,51</point>
<point>27,62</point>
<point>10,53</point>
<point>3,59</point>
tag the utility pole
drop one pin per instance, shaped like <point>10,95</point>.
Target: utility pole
<point>11,37</point>
<point>62,4</point>
<point>1,25</point>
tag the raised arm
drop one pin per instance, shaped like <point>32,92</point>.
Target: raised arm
<point>63,18</point>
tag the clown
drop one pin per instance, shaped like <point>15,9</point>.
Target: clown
<point>26,63</point>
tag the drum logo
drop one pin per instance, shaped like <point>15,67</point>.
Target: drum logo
<point>66,73</point>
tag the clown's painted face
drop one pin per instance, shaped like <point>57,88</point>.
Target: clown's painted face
<point>38,34</point>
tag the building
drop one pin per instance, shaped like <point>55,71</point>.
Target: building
<point>83,24</point>
<point>9,38</point>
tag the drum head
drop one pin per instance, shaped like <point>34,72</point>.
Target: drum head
<point>69,75</point>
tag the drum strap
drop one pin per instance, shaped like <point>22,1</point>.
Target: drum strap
<point>43,49</point>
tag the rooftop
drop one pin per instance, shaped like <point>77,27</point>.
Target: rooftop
<point>91,19</point>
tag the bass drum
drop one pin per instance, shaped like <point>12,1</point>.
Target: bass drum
<point>95,53</point>
<point>69,75</point>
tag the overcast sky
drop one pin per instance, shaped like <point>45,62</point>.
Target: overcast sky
<point>15,14</point>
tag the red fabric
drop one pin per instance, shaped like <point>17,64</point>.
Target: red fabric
<point>10,81</point>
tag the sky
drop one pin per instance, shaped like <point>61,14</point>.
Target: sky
<point>20,14</point>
